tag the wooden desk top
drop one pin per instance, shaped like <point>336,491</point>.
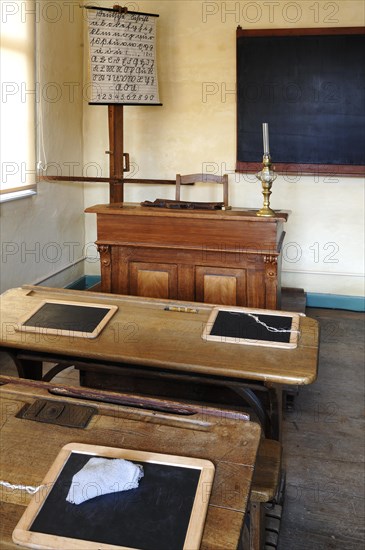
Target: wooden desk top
<point>142,332</point>
<point>135,209</point>
<point>28,449</point>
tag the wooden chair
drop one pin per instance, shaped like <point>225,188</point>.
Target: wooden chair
<point>191,179</point>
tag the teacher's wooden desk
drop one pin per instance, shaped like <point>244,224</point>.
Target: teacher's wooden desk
<point>230,257</point>
<point>28,448</point>
<point>145,340</point>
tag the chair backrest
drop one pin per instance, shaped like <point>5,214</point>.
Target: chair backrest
<point>191,179</point>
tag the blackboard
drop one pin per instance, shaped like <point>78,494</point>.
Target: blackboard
<point>252,327</point>
<point>309,86</point>
<point>67,318</point>
<point>155,516</point>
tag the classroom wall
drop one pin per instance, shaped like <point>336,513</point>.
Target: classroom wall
<point>194,130</point>
<point>44,234</point>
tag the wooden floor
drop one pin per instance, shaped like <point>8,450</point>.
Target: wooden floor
<point>323,442</point>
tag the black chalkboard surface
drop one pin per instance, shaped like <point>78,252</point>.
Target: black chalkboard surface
<point>140,518</point>
<point>309,86</point>
<point>166,512</point>
<point>67,318</point>
<point>240,325</point>
<point>252,327</point>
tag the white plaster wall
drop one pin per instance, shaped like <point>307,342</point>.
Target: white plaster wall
<point>196,127</point>
<point>43,234</point>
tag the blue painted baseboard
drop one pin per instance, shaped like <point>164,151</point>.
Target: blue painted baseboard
<point>314,299</point>
<point>335,301</point>
<point>85,282</point>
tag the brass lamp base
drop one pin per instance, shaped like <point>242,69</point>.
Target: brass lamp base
<point>266,176</point>
<point>266,212</point>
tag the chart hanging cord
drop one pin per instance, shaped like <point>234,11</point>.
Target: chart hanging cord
<point>119,9</point>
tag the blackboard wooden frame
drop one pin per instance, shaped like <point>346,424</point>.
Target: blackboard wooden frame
<point>270,64</point>
<point>63,328</point>
<point>23,535</point>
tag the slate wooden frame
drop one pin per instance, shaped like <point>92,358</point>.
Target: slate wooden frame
<point>293,339</point>
<point>23,535</point>
<point>38,328</point>
<point>243,165</point>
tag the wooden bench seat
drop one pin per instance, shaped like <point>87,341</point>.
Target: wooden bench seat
<point>265,488</point>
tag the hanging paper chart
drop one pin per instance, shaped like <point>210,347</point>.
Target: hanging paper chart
<point>122,47</point>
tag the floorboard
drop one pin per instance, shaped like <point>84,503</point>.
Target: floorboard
<point>323,440</point>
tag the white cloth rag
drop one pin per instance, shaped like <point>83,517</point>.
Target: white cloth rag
<point>101,476</point>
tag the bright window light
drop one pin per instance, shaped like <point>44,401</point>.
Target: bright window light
<point>18,96</point>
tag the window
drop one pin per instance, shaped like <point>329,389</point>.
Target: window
<point>18,98</point>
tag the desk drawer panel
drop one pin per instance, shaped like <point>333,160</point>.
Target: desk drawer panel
<point>219,285</point>
<point>153,280</point>
<point>185,232</point>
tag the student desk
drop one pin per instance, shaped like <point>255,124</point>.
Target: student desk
<point>28,449</point>
<point>145,340</point>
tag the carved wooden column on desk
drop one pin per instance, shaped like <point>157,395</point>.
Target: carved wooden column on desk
<point>105,267</point>
<point>271,281</point>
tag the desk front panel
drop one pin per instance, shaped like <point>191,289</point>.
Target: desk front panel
<point>228,279</point>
